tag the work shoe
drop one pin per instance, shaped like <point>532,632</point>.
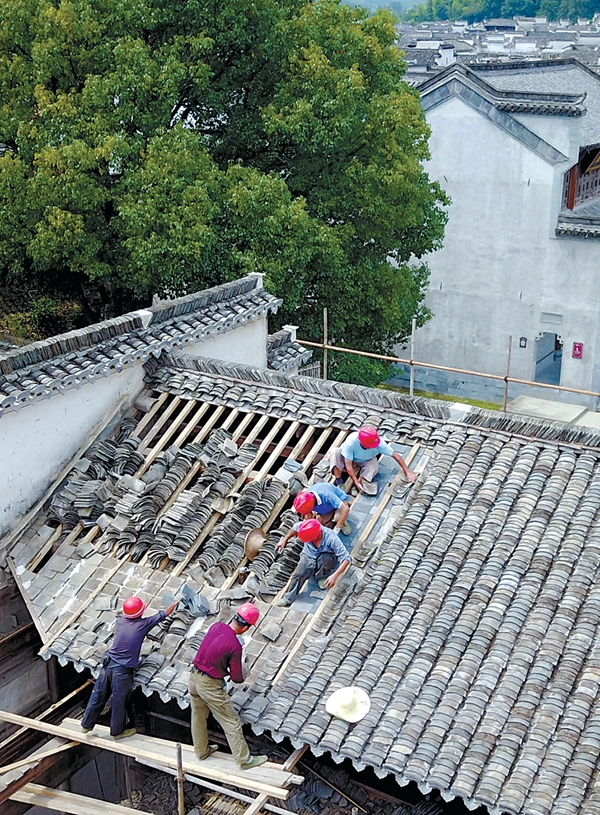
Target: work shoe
<point>131,732</point>
<point>212,748</point>
<point>283,602</point>
<point>338,482</point>
<point>86,729</point>
<point>346,529</point>
<point>255,761</point>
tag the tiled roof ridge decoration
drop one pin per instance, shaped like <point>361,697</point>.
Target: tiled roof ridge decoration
<point>568,103</point>
<point>376,397</point>
<point>533,427</point>
<point>55,365</point>
<point>534,65</point>
<point>78,340</point>
<point>168,309</point>
<point>283,352</point>
<point>462,82</point>
<point>578,226</point>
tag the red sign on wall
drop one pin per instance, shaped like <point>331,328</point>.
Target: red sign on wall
<point>577,350</point>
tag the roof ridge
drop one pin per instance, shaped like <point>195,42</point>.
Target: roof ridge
<point>69,342</point>
<point>417,405</point>
<point>168,309</point>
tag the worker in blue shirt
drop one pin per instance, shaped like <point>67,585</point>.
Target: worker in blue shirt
<point>330,505</point>
<point>359,457</point>
<point>323,556</point>
<point>118,666</point>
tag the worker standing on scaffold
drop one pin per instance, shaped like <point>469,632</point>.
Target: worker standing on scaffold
<point>118,667</point>
<point>220,655</point>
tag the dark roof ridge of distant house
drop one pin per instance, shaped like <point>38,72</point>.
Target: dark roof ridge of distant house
<point>537,101</point>
<point>532,65</point>
<point>551,76</point>
<point>45,368</point>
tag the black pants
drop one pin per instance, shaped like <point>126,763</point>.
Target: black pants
<point>117,681</point>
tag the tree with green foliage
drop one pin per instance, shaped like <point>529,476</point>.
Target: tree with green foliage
<point>162,146</point>
<point>476,10</point>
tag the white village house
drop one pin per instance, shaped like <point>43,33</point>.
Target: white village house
<point>517,148</point>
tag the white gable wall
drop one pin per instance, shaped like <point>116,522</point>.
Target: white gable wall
<point>501,266</point>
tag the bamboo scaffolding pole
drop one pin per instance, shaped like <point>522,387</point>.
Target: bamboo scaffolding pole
<point>466,371</point>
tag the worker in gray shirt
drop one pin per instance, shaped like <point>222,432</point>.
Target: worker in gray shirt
<point>323,556</point>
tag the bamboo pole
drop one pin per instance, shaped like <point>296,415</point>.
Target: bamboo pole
<point>180,779</point>
<point>325,341</point>
<point>433,367</point>
<point>505,399</point>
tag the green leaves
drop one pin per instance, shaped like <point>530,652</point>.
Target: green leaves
<point>161,146</point>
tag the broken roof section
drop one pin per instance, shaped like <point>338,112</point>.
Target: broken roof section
<point>43,369</point>
<point>470,615</point>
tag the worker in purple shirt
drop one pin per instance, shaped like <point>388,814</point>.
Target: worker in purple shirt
<point>220,655</point>
<point>118,667</point>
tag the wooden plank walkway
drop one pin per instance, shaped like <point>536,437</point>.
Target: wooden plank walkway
<point>61,801</point>
<point>269,779</point>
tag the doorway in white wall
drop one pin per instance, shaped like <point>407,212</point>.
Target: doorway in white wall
<point>548,358</point>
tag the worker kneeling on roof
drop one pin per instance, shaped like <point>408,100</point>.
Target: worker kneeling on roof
<point>118,666</point>
<point>329,504</point>
<point>359,457</point>
<point>323,556</point>
<point>220,655</point>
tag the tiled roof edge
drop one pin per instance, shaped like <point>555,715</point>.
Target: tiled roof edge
<point>44,350</point>
<point>578,226</point>
<point>321,387</point>
<point>533,427</point>
<point>455,85</point>
<point>151,343</point>
<point>284,353</point>
<point>169,309</point>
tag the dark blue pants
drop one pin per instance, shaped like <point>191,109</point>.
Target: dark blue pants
<point>117,681</point>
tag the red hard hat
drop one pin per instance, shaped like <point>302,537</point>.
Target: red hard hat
<point>248,612</point>
<point>368,436</point>
<point>309,530</point>
<point>304,503</point>
<point>133,607</point>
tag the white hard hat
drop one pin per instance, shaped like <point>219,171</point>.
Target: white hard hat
<point>351,704</point>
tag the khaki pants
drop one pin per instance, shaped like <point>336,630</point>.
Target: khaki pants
<point>208,695</point>
<point>329,519</point>
<point>364,469</point>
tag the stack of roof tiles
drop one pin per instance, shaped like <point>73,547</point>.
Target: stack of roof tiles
<point>284,353</point>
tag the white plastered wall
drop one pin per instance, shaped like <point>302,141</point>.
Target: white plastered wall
<point>501,269</point>
<point>246,345</point>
